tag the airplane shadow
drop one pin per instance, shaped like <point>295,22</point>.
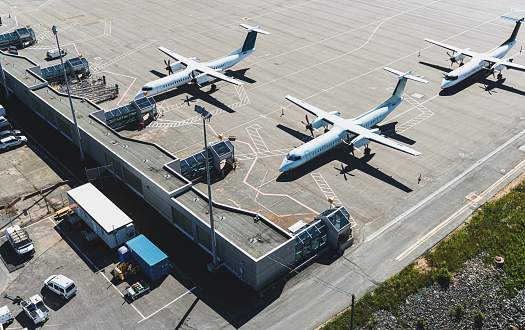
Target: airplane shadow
<point>436,66</point>
<point>241,75</point>
<point>389,130</point>
<point>352,163</point>
<point>196,95</point>
<point>158,74</point>
<point>295,133</point>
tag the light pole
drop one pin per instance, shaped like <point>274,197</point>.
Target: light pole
<point>54,28</point>
<point>207,116</point>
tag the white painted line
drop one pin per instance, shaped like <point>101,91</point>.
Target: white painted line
<point>445,186</point>
<point>32,224</point>
<point>174,300</point>
<point>459,212</point>
<point>98,270</point>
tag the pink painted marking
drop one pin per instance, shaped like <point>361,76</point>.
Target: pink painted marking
<point>75,45</point>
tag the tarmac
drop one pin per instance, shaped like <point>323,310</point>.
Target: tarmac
<point>329,54</point>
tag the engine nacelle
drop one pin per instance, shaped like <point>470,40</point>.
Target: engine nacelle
<point>459,57</point>
<point>203,78</point>
<point>178,66</point>
<point>497,67</point>
<point>360,140</point>
<point>318,123</point>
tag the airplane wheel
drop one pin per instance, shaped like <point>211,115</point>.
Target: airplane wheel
<point>367,151</point>
<point>500,76</point>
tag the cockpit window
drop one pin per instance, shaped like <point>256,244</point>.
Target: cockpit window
<point>451,77</point>
<point>293,158</point>
<point>147,88</point>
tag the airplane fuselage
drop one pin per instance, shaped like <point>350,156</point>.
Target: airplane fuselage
<point>475,65</point>
<point>186,75</point>
<point>334,137</point>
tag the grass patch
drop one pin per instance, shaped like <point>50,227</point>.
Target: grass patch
<point>497,228</point>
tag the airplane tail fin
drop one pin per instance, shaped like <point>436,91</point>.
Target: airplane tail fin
<point>403,76</point>
<point>249,43</point>
<point>516,29</point>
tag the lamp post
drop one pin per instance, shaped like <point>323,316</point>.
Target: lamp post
<point>69,95</point>
<point>207,116</point>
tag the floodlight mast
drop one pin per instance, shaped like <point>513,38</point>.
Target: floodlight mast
<point>207,116</point>
<point>54,28</point>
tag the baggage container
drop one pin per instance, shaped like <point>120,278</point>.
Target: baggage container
<point>124,254</point>
<point>153,262</point>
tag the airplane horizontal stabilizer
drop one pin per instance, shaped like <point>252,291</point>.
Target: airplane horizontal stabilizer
<point>407,75</point>
<point>514,19</point>
<point>254,28</point>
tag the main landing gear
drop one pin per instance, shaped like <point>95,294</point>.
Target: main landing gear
<point>367,150</point>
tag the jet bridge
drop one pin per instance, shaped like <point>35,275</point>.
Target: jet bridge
<point>194,166</point>
<point>23,37</point>
<point>74,67</point>
<point>131,113</point>
<point>333,226</point>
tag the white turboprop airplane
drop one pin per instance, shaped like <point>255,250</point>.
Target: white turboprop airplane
<point>199,73</point>
<point>354,132</point>
<point>491,60</point>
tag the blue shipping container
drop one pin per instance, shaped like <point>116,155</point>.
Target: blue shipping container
<point>124,254</point>
<point>153,262</point>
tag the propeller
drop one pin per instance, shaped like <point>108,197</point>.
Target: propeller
<point>308,125</point>
<point>348,144</point>
<point>194,79</point>
<point>168,67</point>
<point>452,59</point>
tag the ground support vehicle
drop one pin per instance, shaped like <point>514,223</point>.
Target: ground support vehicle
<point>138,289</point>
<point>35,308</point>
<point>61,285</point>
<point>6,317</point>
<point>125,269</point>
<point>19,240</point>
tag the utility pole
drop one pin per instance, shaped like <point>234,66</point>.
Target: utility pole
<point>352,315</point>
<point>54,28</point>
<point>207,116</point>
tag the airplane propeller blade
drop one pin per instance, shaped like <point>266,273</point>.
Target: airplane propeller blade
<point>308,125</point>
<point>168,67</point>
<point>451,58</point>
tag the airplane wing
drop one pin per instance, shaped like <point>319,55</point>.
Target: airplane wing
<point>506,63</point>
<point>198,66</point>
<point>453,48</point>
<point>369,135</point>
<point>310,108</point>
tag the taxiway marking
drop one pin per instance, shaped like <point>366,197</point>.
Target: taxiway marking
<point>444,187</point>
<point>458,213</point>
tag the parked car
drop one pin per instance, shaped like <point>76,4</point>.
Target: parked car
<point>9,132</point>
<point>61,285</point>
<point>19,240</point>
<point>12,141</point>
<point>55,53</point>
<point>4,124</point>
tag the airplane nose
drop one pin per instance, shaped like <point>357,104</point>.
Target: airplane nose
<point>445,84</point>
<point>284,166</point>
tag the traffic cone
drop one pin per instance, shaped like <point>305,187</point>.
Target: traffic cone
<point>9,15</point>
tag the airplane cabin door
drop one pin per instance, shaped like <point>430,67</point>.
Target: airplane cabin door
<point>307,155</point>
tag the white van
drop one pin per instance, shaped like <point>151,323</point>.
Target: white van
<point>53,53</point>
<point>61,285</point>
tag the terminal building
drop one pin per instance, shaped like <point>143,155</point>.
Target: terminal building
<point>253,248</point>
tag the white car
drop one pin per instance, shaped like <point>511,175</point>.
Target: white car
<point>9,132</point>
<point>12,141</point>
<point>61,285</point>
